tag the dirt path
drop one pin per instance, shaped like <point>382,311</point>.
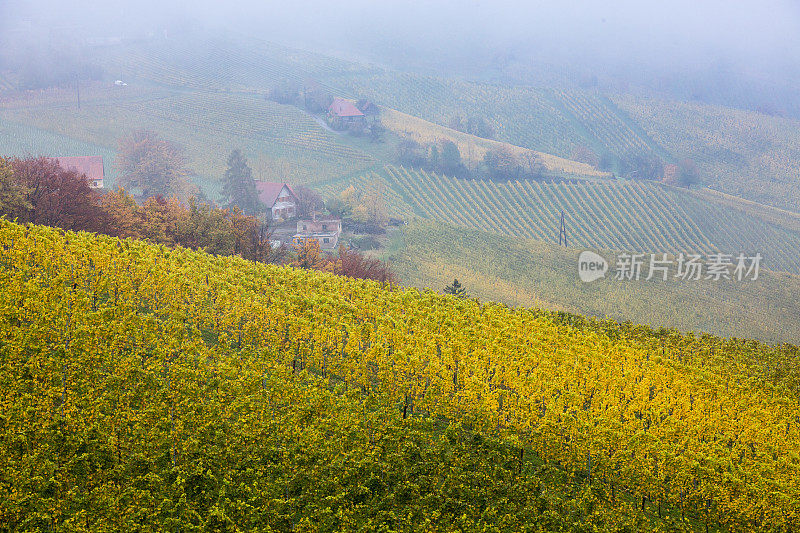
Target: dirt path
<point>322,123</point>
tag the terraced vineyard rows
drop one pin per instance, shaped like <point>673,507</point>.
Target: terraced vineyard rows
<point>607,128</point>
<point>6,83</point>
<point>397,205</point>
<point>624,216</point>
<point>156,389</point>
<point>24,140</point>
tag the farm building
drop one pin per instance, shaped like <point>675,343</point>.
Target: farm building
<point>370,110</point>
<point>279,198</point>
<point>325,231</point>
<point>343,114</point>
<point>91,166</point>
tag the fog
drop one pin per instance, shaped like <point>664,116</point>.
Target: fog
<point>622,41</point>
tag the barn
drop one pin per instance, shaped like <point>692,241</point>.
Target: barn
<point>343,114</point>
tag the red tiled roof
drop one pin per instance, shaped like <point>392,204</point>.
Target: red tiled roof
<point>268,191</point>
<point>91,166</point>
<point>343,108</point>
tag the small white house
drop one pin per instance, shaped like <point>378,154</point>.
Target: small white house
<point>279,198</point>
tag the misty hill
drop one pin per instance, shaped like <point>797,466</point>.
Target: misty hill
<point>746,156</point>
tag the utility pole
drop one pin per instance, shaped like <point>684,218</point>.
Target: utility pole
<point>562,232</point>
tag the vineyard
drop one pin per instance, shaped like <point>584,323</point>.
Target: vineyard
<point>528,273</point>
<point>152,389</point>
<point>209,125</point>
<point>623,216</point>
<point>607,128</point>
<point>24,140</point>
<point>7,82</point>
<point>743,153</point>
<point>540,119</point>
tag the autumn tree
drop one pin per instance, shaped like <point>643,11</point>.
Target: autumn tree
<point>309,255</point>
<point>124,217</point>
<point>374,203</point>
<point>55,196</point>
<point>411,153</point>
<point>353,264</point>
<point>238,185</point>
<point>338,207</point>
<point>450,159</point>
<point>474,125</point>
<point>308,201</point>
<point>13,194</point>
<point>150,165</point>
<point>688,174</point>
<point>502,165</point>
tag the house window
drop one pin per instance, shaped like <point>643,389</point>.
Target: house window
<point>326,239</point>
<point>304,227</point>
<point>324,227</point>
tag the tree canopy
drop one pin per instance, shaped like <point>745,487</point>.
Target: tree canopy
<point>151,166</point>
<point>238,185</point>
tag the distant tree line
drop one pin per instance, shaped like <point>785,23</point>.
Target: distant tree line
<point>39,191</point>
<point>444,157</point>
<point>639,165</point>
<point>474,125</point>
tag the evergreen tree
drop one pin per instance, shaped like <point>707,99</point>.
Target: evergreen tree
<point>239,187</point>
<point>456,289</point>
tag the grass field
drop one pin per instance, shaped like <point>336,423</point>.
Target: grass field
<point>625,216</point>
<point>523,272</point>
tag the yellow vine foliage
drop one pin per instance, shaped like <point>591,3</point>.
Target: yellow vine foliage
<point>700,424</point>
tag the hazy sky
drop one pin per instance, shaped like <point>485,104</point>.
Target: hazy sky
<point>748,30</point>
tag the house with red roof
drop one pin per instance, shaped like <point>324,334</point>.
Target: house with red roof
<point>280,199</point>
<point>90,166</point>
<point>343,114</point>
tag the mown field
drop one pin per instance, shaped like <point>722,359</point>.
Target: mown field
<point>524,272</point>
<point>154,389</point>
<point>623,216</point>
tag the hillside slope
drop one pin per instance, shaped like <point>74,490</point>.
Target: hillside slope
<point>743,153</point>
<point>629,216</point>
<point>281,141</point>
<point>145,388</point>
<point>523,272</point>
